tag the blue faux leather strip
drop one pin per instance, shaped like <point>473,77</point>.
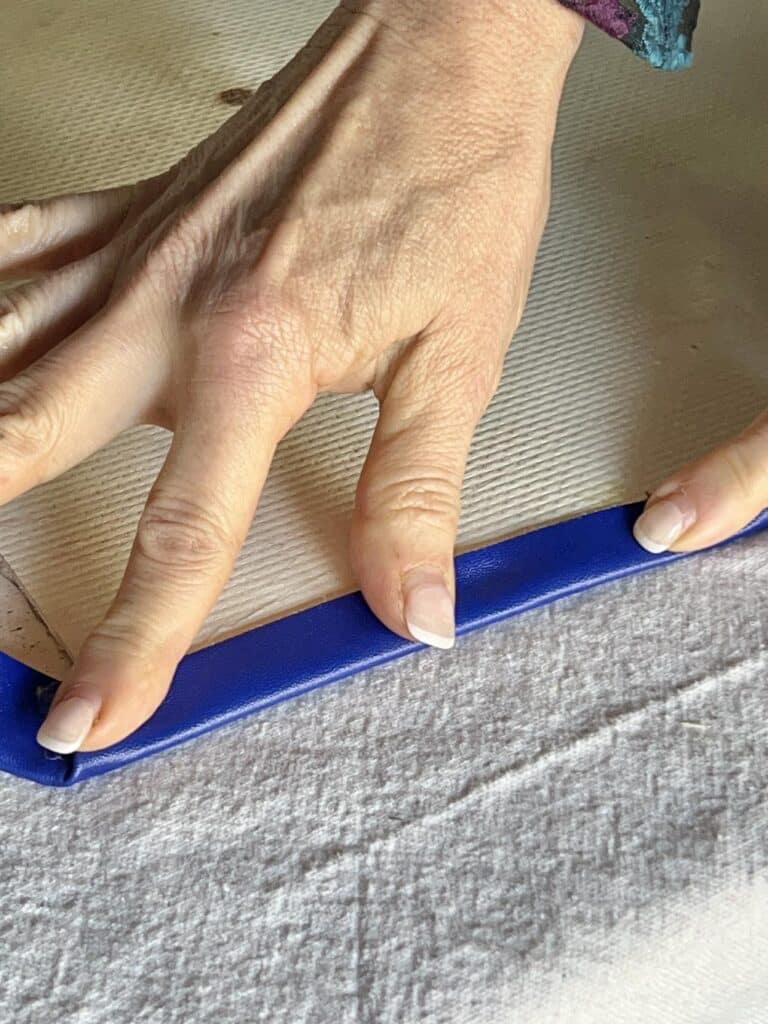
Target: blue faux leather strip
<point>328,642</point>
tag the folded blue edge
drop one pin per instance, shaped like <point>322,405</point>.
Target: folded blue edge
<point>330,641</point>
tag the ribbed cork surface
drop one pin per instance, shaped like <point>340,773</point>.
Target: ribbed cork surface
<point>644,341</point>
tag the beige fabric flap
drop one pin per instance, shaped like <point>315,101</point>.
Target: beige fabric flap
<point>643,343</point>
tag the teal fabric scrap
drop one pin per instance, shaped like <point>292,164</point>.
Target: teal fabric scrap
<point>660,31</point>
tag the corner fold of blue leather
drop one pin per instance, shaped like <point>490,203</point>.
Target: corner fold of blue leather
<point>330,641</point>
<point>24,695</point>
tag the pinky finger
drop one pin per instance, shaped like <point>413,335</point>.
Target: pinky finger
<point>710,499</point>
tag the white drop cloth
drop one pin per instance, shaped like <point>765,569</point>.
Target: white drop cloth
<point>563,821</point>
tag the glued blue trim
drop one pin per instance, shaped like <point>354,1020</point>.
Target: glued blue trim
<point>328,642</point>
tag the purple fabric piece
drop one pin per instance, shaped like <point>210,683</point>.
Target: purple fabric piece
<point>609,15</point>
<point>658,30</point>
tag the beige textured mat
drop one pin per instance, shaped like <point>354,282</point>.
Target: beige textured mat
<point>644,341</point>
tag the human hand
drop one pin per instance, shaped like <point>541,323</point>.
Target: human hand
<point>369,219</point>
<point>709,499</point>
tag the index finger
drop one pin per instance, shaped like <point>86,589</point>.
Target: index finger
<point>194,523</point>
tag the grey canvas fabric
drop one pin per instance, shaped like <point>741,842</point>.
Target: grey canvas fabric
<point>564,819</point>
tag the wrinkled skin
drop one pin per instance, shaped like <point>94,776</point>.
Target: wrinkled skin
<point>369,219</point>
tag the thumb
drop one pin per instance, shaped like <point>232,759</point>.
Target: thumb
<point>408,496</point>
<point>710,499</point>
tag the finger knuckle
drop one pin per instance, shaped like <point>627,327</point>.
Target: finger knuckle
<point>179,251</point>
<point>743,470</point>
<point>258,337</point>
<point>181,534</point>
<point>24,223</point>
<point>257,347</point>
<point>413,502</point>
<point>758,443</point>
<point>468,377</point>
<point>114,641</point>
<point>131,636</point>
<point>478,381</point>
<point>15,314</point>
<point>171,256</point>
<point>760,430</point>
<point>31,423</point>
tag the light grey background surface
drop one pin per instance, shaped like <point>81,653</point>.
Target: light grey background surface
<point>568,808</point>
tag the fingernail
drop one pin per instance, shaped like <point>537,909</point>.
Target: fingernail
<point>67,725</point>
<point>663,522</point>
<point>429,611</point>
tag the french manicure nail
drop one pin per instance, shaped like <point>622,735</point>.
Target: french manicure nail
<point>67,725</point>
<point>663,522</point>
<point>429,611</point>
